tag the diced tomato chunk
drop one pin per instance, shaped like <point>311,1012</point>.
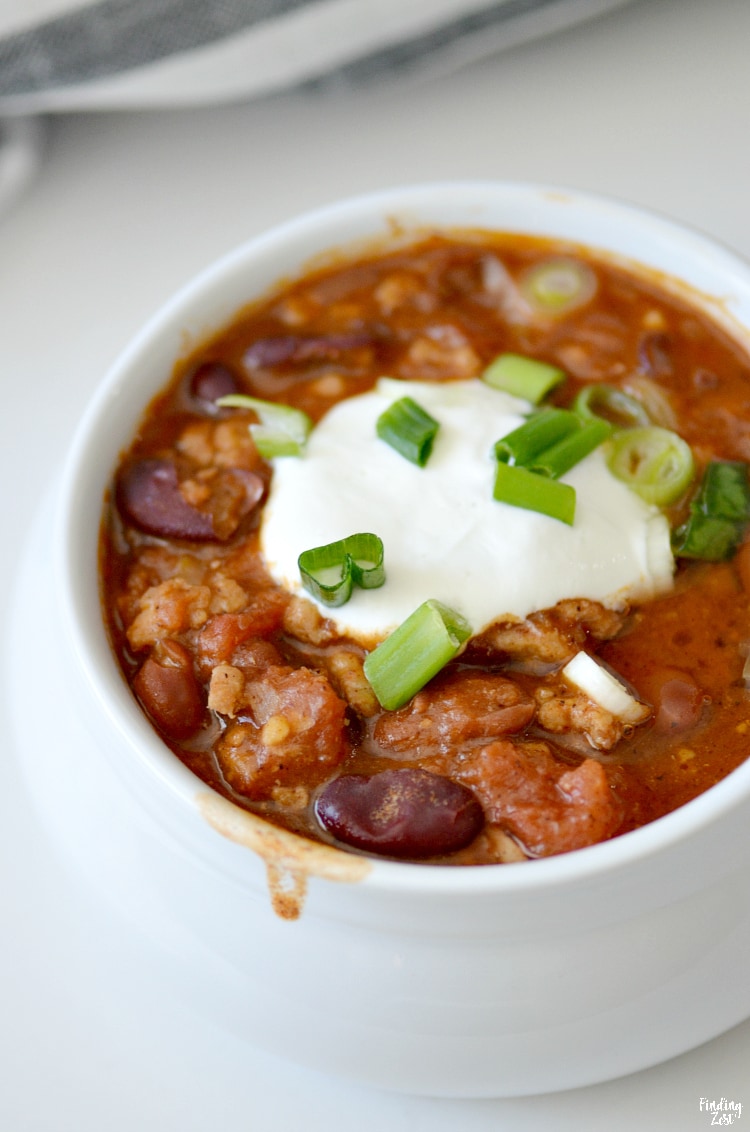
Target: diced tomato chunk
<point>293,733</point>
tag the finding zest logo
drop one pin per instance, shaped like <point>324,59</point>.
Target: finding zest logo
<point>722,1112</point>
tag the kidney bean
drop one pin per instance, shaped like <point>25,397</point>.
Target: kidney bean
<point>211,381</point>
<point>148,495</point>
<point>680,705</point>
<point>704,379</point>
<point>655,354</point>
<point>400,813</point>
<point>236,492</point>
<point>297,348</point>
<point>678,700</point>
<point>168,690</point>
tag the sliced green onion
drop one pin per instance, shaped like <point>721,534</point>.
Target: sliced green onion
<point>520,487</point>
<point>569,451</point>
<point>414,653</point>
<point>329,572</point>
<point>522,377</point>
<point>654,399</point>
<point>538,432</point>
<point>552,441</point>
<point>607,402</point>
<point>719,514</point>
<point>283,431</point>
<point>655,462</point>
<point>556,286</point>
<point>409,429</point>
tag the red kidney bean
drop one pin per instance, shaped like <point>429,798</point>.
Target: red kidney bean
<point>253,485</point>
<point>704,379</point>
<point>297,348</point>
<point>677,699</point>
<point>655,354</point>
<point>400,813</point>
<point>148,495</point>
<point>681,704</point>
<point>211,381</point>
<point>168,690</point>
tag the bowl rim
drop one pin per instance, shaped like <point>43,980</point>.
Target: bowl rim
<point>102,675</point>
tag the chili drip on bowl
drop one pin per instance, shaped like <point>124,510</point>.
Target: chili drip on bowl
<point>439,553</point>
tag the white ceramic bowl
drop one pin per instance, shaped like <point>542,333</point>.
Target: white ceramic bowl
<point>476,981</point>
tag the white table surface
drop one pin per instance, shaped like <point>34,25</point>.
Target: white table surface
<point>648,103</point>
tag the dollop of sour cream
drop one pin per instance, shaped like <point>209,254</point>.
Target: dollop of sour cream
<point>444,535</point>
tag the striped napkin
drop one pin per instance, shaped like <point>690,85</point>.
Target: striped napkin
<point>59,55</point>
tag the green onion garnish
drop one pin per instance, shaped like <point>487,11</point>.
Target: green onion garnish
<point>719,514</point>
<point>610,404</point>
<point>409,429</point>
<point>522,377</point>
<point>534,492</point>
<point>414,653</point>
<point>556,286</point>
<point>538,432</point>
<point>283,431</point>
<point>531,459</point>
<point>569,451</point>
<point>655,462</point>
<point>329,572</point>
